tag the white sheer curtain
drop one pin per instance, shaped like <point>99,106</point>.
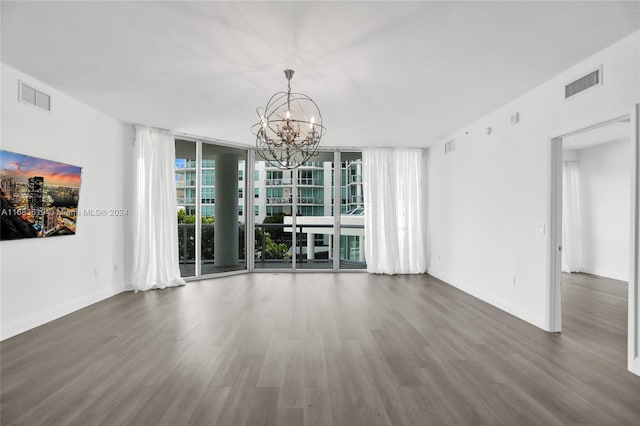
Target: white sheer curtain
<point>570,217</point>
<point>393,213</point>
<point>155,222</point>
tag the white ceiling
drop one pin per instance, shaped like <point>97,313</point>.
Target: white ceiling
<point>613,132</point>
<point>383,73</point>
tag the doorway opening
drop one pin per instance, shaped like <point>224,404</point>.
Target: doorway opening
<point>594,231</point>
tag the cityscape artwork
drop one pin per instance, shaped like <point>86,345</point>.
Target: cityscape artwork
<point>39,197</point>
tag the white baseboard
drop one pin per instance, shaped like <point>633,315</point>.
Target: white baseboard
<point>532,318</point>
<point>24,324</point>
<point>622,276</point>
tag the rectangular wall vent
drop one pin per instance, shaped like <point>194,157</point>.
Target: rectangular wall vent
<point>450,146</point>
<point>32,96</point>
<point>588,81</point>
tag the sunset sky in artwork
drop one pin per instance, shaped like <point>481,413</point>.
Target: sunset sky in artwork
<point>22,167</point>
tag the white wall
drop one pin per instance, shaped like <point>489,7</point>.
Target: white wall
<point>604,172</point>
<point>489,198</point>
<point>47,278</point>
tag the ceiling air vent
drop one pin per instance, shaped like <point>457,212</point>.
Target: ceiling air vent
<point>450,146</point>
<point>593,79</point>
<point>35,97</point>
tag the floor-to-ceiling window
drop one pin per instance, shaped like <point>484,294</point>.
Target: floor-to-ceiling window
<point>291,214</point>
<point>273,246</point>
<point>186,182</point>
<point>210,191</point>
<point>351,212</point>
<point>296,212</point>
<point>314,213</point>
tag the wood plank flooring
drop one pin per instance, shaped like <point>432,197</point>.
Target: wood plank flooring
<point>323,349</point>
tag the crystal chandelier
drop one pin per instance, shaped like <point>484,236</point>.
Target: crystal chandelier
<point>289,130</point>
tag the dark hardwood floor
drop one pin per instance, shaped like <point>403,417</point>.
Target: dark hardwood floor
<point>322,349</point>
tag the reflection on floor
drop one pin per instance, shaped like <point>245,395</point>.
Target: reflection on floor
<point>207,268</point>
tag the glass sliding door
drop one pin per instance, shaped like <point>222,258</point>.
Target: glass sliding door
<point>314,213</point>
<point>273,203</point>
<point>351,212</point>
<point>295,214</point>
<point>222,242</point>
<point>292,218</point>
<point>210,191</point>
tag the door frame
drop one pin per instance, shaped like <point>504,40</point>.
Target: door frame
<point>555,232</point>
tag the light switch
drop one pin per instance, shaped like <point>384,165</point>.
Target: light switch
<point>540,228</point>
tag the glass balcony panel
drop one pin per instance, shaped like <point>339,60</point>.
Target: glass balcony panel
<point>187,249</point>
<point>273,245</point>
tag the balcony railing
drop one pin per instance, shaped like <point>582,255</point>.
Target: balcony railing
<point>289,200</point>
<point>310,181</point>
<point>187,249</point>
<point>356,179</point>
<point>357,199</point>
<point>185,183</point>
<point>278,182</point>
<point>273,246</point>
<point>310,200</point>
<point>317,164</point>
<point>279,200</point>
<point>186,200</point>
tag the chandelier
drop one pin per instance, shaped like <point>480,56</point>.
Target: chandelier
<point>289,130</point>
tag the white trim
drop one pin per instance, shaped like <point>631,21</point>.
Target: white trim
<point>585,126</point>
<point>250,219</point>
<point>633,345</point>
<point>198,227</point>
<point>624,276</point>
<point>531,317</point>
<point>555,236</point>
<point>337,207</point>
<point>294,216</point>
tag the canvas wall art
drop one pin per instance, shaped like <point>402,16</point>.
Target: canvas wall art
<point>39,197</point>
